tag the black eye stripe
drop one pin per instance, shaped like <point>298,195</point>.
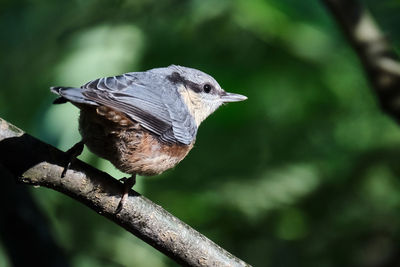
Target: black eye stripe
<point>176,78</point>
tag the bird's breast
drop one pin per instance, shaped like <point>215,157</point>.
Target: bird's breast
<point>132,149</point>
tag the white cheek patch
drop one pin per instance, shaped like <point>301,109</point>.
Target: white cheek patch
<point>198,108</point>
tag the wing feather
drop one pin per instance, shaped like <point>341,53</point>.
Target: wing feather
<point>155,104</point>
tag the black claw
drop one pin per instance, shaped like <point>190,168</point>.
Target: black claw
<point>119,208</point>
<point>66,168</point>
<point>128,184</point>
<point>123,179</point>
<point>73,152</point>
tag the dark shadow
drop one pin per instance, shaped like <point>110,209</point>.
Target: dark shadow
<point>24,230</point>
<point>18,154</point>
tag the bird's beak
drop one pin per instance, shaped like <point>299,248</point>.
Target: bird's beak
<point>231,97</point>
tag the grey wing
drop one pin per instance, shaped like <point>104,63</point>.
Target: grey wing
<point>157,107</point>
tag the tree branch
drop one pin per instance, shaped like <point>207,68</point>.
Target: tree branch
<point>33,162</point>
<point>379,60</point>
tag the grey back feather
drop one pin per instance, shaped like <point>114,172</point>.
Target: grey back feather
<point>148,98</point>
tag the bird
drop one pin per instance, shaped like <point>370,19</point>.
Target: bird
<point>146,122</point>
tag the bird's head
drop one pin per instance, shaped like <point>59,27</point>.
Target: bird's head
<point>201,93</point>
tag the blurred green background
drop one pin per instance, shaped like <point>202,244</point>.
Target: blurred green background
<point>303,173</point>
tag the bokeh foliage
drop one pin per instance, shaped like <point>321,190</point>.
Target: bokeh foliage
<point>303,173</point>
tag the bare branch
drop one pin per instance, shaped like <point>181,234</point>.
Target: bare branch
<point>34,162</point>
<point>380,61</point>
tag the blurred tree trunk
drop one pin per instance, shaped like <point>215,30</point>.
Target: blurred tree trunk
<point>380,62</point>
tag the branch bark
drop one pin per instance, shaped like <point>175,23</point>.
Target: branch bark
<point>381,63</point>
<point>33,162</point>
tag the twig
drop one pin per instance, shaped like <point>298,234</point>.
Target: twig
<point>379,60</point>
<point>34,162</point>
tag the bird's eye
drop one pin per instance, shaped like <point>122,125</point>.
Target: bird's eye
<point>207,88</point>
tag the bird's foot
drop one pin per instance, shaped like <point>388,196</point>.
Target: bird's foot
<point>123,179</point>
<point>73,152</point>
<point>128,183</point>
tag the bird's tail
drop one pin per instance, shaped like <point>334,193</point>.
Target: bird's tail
<point>71,94</point>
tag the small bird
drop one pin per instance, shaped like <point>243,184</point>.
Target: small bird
<point>143,122</point>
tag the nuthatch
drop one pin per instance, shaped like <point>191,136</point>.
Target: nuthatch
<point>144,122</point>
